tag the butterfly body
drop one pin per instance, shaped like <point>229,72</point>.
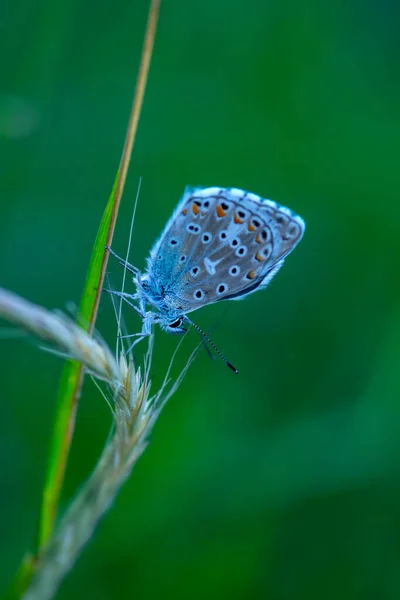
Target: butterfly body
<point>219,244</point>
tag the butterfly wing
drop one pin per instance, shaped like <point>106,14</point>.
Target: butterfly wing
<point>222,244</point>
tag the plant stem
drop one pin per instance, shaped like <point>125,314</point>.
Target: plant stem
<point>73,374</point>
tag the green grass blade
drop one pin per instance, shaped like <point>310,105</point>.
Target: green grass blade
<point>71,380</point>
<point>72,375</point>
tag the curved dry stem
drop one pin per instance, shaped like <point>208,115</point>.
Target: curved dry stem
<point>58,329</point>
<point>135,412</point>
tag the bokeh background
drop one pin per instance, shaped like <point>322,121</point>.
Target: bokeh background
<point>283,482</point>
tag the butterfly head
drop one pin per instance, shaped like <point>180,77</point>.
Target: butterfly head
<point>168,316</point>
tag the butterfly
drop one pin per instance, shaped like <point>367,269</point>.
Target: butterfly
<point>219,244</point>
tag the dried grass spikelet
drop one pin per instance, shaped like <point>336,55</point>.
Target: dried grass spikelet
<point>134,410</point>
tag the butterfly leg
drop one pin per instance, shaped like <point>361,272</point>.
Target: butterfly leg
<point>123,262</point>
<point>125,297</point>
<point>148,320</point>
<point>139,336</point>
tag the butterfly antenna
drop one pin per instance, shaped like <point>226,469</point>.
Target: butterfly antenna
<point>205,336</point>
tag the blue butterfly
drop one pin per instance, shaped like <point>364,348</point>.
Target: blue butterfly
<point>219,244</point>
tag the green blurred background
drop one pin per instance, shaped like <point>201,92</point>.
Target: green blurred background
<point>283,482</point>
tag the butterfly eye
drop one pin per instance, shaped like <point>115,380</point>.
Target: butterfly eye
<point>176,323</point>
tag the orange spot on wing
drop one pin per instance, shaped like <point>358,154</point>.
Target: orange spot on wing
<point>250,227</point>
<point>237,219</point>
<point>251,274</point>
<point>195,209</point>
<point>220,211</point>
<point>260,257</point>
<point>185,211</point>
<point>258,239</point>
